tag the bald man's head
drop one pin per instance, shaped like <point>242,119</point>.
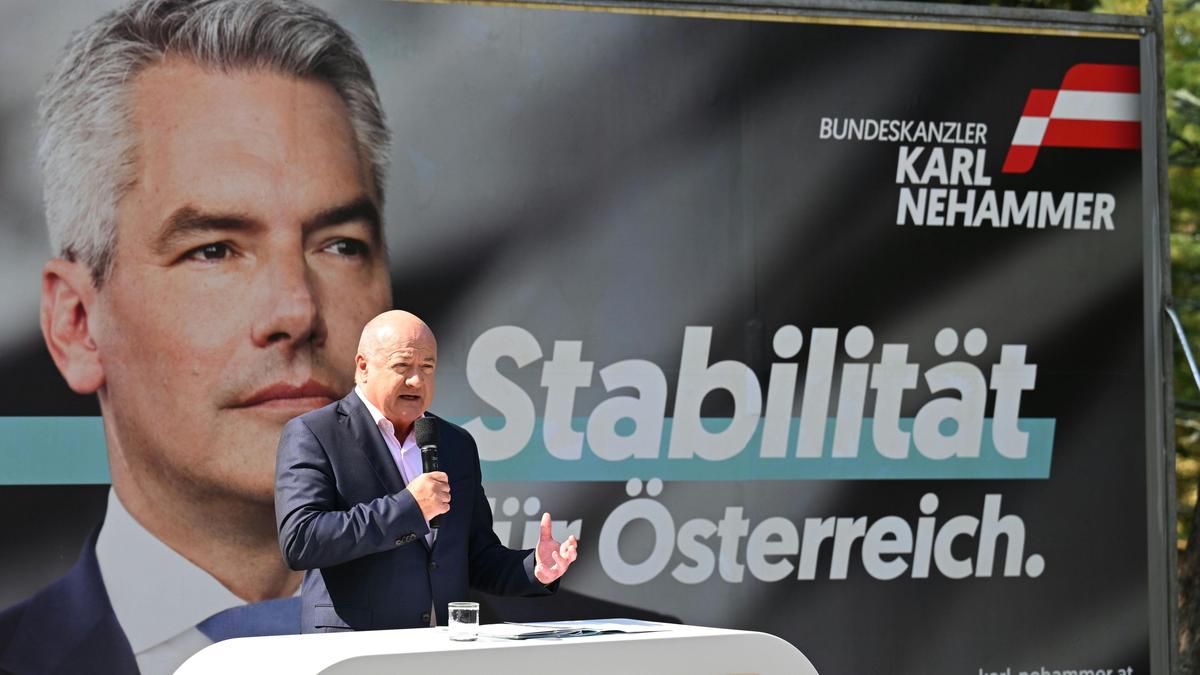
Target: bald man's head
<point>395,367</point>
<point>387,328</point>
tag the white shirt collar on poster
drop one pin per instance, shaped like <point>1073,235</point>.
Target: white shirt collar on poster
<point>157,595</point>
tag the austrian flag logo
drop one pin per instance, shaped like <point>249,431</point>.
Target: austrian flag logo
<point>1096,107</point>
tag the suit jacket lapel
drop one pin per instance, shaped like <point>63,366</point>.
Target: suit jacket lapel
<point>70,627</point>
<point>369,440</point>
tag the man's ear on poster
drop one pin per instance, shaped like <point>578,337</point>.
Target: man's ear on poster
<point>68,296</point>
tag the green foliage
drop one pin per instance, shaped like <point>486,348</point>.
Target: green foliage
<point>1076,5</point>
<point>1181,66</point>
<point>1131,7</point>
<point>1181,80</point>
<point>1182,75</point>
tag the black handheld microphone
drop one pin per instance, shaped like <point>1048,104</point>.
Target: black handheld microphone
<point>426,433</point>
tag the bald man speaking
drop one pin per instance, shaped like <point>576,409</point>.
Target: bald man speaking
<point>353,505</point>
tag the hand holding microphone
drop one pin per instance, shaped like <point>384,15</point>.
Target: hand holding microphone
<point>432,488</point>
<point>432,492</point>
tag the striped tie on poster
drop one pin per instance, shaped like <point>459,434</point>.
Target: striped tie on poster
<point>1096,107</point>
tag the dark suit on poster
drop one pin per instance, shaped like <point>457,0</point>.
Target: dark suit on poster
<point>68,627</point>
<point>344,516</point>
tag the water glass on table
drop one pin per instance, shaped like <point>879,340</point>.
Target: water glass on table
<point>463,620</point>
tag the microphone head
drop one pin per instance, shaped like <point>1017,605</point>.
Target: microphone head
<point>425,431</point>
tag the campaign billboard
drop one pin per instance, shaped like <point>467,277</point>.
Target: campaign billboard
<point>836,327</point>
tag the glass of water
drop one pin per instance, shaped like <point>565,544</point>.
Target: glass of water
<point>464,620</point>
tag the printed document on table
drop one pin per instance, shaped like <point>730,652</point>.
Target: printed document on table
<point>563,629</point>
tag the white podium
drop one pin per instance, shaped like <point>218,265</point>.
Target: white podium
<point>676,650</point>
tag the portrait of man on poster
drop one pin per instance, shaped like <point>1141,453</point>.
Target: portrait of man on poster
<point>213,179</point>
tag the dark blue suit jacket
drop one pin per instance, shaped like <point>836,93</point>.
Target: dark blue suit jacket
<point>67,627</point>
<point>345,517</point>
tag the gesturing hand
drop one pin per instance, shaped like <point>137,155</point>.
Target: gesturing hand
<point>553,558</point>
<point>432,492</point>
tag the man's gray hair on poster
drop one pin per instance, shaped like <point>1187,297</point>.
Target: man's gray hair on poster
<point>87,149</point>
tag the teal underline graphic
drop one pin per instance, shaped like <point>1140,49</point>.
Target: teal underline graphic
<point>52,451</point>
<point>536,463</point>
<point>71,451</point>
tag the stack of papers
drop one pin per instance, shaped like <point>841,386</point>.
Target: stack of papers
<point>565,629</point>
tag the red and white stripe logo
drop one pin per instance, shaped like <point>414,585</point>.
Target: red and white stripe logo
<point>1096,107</point>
